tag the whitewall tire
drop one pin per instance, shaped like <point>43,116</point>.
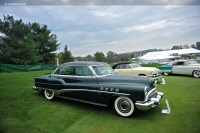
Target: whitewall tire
<point>196,73</point>
<point>124,106</point>
<point>49,94</point>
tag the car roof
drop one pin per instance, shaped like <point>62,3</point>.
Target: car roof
<point>82,63</point>
<point>119,63</point>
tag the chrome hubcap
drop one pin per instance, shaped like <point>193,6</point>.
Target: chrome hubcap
<point>124,106</point>
<point>197,73</point>
<point>49,93</point>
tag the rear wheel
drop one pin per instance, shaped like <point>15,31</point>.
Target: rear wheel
<point>124,106</point>
<point>49,94</point>
<point>196,73</point>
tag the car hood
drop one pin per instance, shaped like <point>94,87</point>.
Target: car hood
<point>127,80</point>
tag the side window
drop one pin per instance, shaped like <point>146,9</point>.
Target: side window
<point>186,63</point>
<point>128,67</point>
<point>180,63</point>
<point>83,71</point>
<point>118,67</point>
<point>68,70</point>
<point>124,66</point>
<point>57,72</point>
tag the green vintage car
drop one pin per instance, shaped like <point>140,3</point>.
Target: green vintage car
<point>97,83</point>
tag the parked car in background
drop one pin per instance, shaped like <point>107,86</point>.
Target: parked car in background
<point>186,67</point>
<point>97,83</point>
<point>128,68</point>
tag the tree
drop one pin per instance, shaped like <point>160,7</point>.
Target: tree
<point>66,55</point>
<point>99,56</point>
<point>79,58</point>
<point>177,47</point>
<point>112,57</point>
<point>88,58</point>
<point>16,42</point>
<point>125,57</point>
<point>22,43</point>
<point>47,42</point>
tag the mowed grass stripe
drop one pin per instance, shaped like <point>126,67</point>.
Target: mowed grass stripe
<point>25,110</point>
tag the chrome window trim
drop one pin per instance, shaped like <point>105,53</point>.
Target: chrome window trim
<point>90,67</point>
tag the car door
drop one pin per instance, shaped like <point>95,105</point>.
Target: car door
<point>65,75</point>
<point>179,68</point>
<point>84,85</point>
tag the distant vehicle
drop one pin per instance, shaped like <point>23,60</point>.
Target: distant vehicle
<point>186,67</point>
<point>97,83</point>
<point>129,68</point>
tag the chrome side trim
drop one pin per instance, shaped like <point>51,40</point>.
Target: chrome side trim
<point>99,104</point>
<point>114,93</point>
<point>48,83</point>
<point>58,92</point>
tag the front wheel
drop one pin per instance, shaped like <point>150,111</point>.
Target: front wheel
<point>196,73</point>
<point>49,94</point>
<point>124,106</point>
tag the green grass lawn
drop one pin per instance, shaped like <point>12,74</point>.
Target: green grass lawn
<point>23,110</point>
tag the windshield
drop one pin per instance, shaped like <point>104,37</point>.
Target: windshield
<point>135,65</point>
<point>103,70</point>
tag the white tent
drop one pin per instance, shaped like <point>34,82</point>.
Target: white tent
<point>170,54</point>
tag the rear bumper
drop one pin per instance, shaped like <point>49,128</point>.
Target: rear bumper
<point>146,105</point>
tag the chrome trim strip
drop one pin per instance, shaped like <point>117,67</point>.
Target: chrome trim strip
<point>99,104</point>
<point>152,90</point>
<point>113,93</point>
<point>47,83</point>
<point>58,92</point>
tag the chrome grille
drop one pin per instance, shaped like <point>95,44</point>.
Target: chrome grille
<point>151,94</point>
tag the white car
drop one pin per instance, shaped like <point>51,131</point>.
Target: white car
<point>186,67</point>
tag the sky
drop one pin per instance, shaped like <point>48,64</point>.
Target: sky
<point>87,28</point>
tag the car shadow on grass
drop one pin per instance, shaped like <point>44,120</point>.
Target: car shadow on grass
<point>71,103</point>
<point>98,109</point>
<point>179,75</point>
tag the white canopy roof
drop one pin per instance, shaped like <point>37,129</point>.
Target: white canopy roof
<point>168,54</point>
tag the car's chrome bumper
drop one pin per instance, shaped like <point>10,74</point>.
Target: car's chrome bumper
<point>152,102</point>
<point>155,77</point>
<point>34,88</point>
<point>37,88</point>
